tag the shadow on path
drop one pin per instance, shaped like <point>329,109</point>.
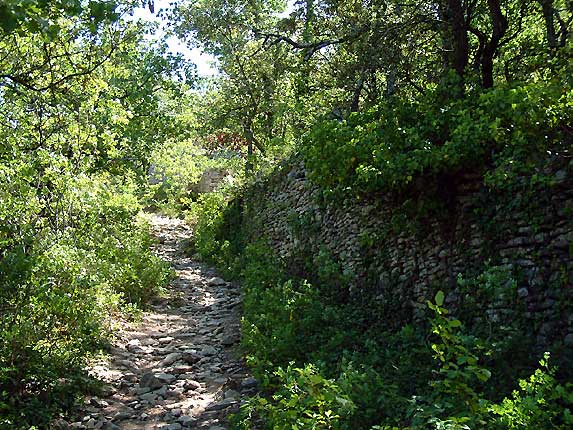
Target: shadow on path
<point>178,368</point>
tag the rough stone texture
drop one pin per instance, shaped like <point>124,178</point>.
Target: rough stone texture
<point>173,370</point>
<point>211,179</point>
<point>528,231</point>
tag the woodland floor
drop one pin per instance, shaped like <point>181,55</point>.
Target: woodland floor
<point>178,367</point>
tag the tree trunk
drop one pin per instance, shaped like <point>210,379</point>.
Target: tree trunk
<point>309,18</point>
<point>456,36</point>
<point>499,24</point>
<point>355,105</point>
<point>248,133</point>
<point>549,16</point>
<point>391,81</point>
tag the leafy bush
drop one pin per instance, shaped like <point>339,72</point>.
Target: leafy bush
<point>455,387</point>
<point>389,147</point>
<point>207,214</point>
<point>326,363</point>
<point>280,322</point>
<point>392,383</point>
<point>541,402</point>
<point>305,400</point>
<point>217,231</point>
<point>177,166</point>
<point>62,278</point>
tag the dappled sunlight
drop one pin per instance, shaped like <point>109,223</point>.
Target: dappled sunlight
<point>177,367</point>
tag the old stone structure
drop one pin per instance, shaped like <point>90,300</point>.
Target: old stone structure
<point>210,180</point>
<point>516,244</point>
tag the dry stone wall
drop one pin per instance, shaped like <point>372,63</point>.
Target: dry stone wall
<point>396,257</point>
<point>210,180</point>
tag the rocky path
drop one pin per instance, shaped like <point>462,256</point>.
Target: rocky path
<point>178,368</point>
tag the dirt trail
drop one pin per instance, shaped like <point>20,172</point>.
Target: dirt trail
<point>179,367</point>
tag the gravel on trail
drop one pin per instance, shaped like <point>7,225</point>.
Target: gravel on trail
<point>179,367</point>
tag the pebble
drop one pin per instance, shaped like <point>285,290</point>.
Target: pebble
<point>98,403</point>
<point>171,358</point>
<point>185,420</point>
<point>133,345</point>
<point>229,340</point>
<point>232,394</point>
<point>178,370</point>
<point>221,405</point>
<point>142,390</point>
<point>192,385</point>
<point>171,366</point>
<point>208,350</point>
<point>149,380</point>
<point>166,377</point>
<point>191,357</point>
<point>216,281</point>
<point>173,426</point>
<point>148,397</point>
<point>123,415</point>
<point>249,383</point>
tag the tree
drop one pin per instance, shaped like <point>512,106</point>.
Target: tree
<point>253,79</point>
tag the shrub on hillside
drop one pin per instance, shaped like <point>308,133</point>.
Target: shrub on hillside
<point>391,146</point>
<point>61,279</point>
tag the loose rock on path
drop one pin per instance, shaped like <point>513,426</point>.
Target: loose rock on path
<point>178,368</point>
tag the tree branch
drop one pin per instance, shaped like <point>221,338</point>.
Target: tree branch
<point>311,47</point>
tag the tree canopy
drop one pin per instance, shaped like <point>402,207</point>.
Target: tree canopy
<point>281,72</point>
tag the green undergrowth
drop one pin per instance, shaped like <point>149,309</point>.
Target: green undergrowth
<point>68,267</point>
<point>326,362</point>
<point>322,369</point>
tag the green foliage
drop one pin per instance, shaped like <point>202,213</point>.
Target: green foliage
<point>178,170</point>
<point>280,322</point>
<point>81,107</point>
<point>280,73</point>
<point>493,283</point>
<point>251,101</point>
<point>61,288</point>
<point>400,143</point>
<point>454,392</point>
<point>540,402</point>
<point>305,400</point>
<point>261,269</point>
<point>376,395</point>
<point>325,363</point>
<point>177,167</point>
<point>42,17</point>
<point>86,106</point>
<point>404,119</point>
<point>208,217</point>
<point>330,272</point>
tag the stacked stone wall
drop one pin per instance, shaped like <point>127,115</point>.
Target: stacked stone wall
<point>401,258</point>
